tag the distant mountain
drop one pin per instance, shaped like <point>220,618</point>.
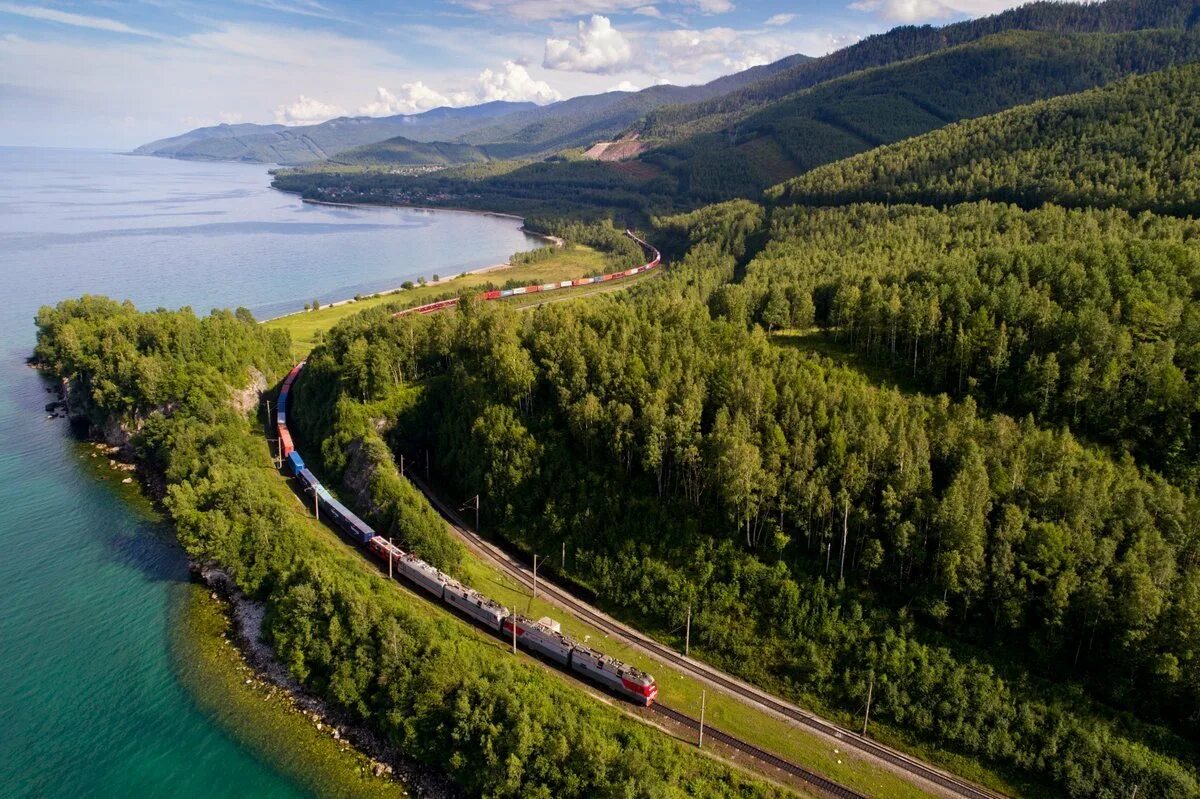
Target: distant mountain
<point>400,151</point>
<point>511,130</point>
<point>303,144</point>
<point>1131,145</point>
<point>582,121</point>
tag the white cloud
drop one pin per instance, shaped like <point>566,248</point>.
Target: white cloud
<point>713,6</point>
<point>567,9</point>
<point>512,82</point>
<point>649,11</point>
<point>598,48</point>
<point>306,111</point>
<point>926,10</point>
<point>625,86</point>
<point>412,98</point>
<point>77,20</point>
<point>780,19</point>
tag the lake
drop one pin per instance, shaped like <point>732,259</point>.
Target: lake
<point>90,579</point>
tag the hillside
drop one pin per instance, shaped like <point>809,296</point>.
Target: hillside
<point>829,122</point>
<point>582,121</point>
<point>905,42</point>
<point>400,151</point>
<point>887,104</point>
<point>1133,145</point>
<point>303,144</point>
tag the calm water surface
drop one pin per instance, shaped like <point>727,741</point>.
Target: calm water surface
<point>89,581</point>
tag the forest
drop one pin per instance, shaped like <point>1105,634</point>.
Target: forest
<point>499,726</point>
<point>1128,145</point>
<point>1011,592</point>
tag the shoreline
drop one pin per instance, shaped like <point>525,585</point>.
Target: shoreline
<point>554,241</point>
<point>387,762</point>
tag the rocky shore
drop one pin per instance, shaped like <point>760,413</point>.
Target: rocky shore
<point>386,760</point>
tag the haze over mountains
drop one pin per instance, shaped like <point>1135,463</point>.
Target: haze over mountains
<point>511,129</point>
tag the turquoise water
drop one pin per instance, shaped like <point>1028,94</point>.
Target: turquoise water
<point>89,581</point>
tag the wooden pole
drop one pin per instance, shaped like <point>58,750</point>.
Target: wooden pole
<point>535,557</point>
<point>564,556</point>
<point>514,624</point>
<point>687,635</point>
<point>477,513</point>
<point>389,558</point>
<point>316,507</point>
<point>703,700</point>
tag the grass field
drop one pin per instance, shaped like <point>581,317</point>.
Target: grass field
<point>570,262</point>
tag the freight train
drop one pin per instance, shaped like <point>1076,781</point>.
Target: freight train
<point>542,637</point>
<point>498,294</point>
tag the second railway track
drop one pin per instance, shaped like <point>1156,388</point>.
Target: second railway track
<point>946,783</point>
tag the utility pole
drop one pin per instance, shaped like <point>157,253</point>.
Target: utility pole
<point>535,558</point>
<point>401,463</point>
<point>477,513</point>
<point>870,692</point>
<point>687,635</point>
<point>268,412</point>
<point>1134,794</point>
<point>316,507</point>
<point>426,464</point>
<point>564,556</point>
<point>703,698</point>
<point>514,624</point>
<point>845,535</point>
<point>389,558</point>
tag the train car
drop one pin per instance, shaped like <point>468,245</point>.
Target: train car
<point>506,293</point>
<point>549,286</point>
<point>543,637</point>
<point>286,447</point>
<point>295,462</point>
<point>517,291</point>
<point>634,271</point>
<point>565,284</point>
<point>474,604</point>
<point>422,574</point>
<point>532,289</point>
<point>583,281</point>
<point>490,295</point>
<point>613,674</point>
<point>384,549</point>
<point>346,521</point>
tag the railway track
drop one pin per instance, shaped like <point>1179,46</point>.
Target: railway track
<point>943,782</point>
<point>826,787</point>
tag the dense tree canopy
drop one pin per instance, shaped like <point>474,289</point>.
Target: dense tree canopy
<point>1130,145</point>
<point>823,528</point>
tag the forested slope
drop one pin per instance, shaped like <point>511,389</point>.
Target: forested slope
<point>498,725</point>
<point>1012,593</point>
<point>892,103</point>
<point>1133,145</point>
<point>906,42</point>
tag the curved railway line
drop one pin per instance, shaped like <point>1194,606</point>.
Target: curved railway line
<point>943,782</point>
<point>924,775</point>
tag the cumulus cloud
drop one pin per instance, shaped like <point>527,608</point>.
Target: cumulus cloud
<point>411,98</point>
<point>714,51</point>
<point>598,48</point>
<point>306,111</point>
<point>780,19</point>
<point>925,10</point>
<point>625,86</point>
<point>511,82</point>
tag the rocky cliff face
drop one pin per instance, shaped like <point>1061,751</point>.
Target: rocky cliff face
<point>246,399</point>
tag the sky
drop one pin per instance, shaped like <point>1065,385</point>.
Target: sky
<point>117,74</point>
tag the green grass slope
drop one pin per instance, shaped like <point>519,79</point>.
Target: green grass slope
<point>1133,145</point>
